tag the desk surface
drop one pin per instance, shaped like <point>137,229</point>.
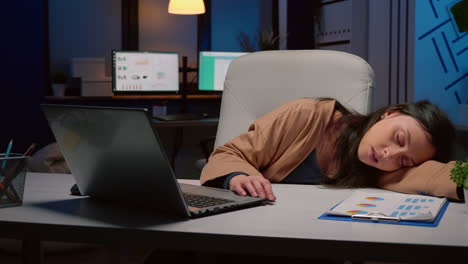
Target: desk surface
<point>135,97</point>
<point>289,227</point>
<point>205,122</point>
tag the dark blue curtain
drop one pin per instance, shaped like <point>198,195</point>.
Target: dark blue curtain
<point>25,67</point>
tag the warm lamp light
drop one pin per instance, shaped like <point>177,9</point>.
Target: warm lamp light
<point>186,7</point>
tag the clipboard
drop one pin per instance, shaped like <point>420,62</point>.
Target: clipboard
<point>385,219</point>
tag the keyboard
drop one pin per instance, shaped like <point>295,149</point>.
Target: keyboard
<point>201,201</point>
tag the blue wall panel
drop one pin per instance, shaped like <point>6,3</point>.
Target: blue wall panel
<point>231,17</point>
<point>441,58</point>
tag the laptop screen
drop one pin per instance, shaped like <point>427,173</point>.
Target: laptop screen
<point>116,154</point>
<point>145,71</point>
<point>213,67</point>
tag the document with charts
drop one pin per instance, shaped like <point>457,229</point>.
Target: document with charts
<point>385,206</point>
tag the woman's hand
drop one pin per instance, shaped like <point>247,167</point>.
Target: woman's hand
<point>255,186</point>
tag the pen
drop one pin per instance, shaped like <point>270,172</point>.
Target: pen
<point>30,150</point>
<point>375,217</point>
<point>7,153</point>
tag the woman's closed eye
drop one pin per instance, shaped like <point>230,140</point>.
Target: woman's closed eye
<point>400,139</point>
<point>405,161</point>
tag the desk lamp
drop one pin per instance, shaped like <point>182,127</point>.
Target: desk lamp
<point>186,7</point>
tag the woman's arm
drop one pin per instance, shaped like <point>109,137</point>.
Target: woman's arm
<point>274,141</point>
<point>431,177</point>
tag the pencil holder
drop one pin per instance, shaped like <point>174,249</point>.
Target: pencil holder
<point>12,179</point>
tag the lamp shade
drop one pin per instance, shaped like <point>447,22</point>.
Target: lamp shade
<point>186,7</point>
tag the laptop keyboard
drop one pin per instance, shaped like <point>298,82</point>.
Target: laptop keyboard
<point>201,201</point>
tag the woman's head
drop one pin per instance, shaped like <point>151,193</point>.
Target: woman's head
<point>390,138</point>
<point>396,141</point>
<point>406,135</point>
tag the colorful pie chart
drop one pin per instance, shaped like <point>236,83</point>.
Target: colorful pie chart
<point>366,205</point>
<point>374,198</point>
<point>353,212</point>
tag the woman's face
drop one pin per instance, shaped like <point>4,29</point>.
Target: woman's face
<point>395,141</point>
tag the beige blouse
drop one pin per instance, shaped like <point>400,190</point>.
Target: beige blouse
<point>278,142</point>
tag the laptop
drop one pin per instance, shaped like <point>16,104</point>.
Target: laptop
<point>115,154</point>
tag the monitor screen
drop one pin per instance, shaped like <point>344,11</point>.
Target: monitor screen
<point>212,68</point>
<point>145,72</point>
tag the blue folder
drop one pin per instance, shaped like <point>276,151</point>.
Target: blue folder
<point>436,221</point>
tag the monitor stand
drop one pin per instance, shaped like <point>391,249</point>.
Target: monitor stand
<point>183,115</point>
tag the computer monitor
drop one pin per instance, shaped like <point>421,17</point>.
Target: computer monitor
<point>138,72</point>
<point>212,68</point>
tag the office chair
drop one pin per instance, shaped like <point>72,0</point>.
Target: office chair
<point>257,83</point>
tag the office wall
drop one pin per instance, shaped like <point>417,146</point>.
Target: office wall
<point>344,27</point>
<point>441,59</point>
<point>88,28</point>
<point>283,23</point>
<point>83,28</point>
<point>161,31</point>
<point>335,29</point>
<point>390,45</point>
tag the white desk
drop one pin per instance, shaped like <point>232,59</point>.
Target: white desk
<point>288,228</point>
<point>205,122</point>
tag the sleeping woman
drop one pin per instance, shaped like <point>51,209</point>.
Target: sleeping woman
<point>404,148</point>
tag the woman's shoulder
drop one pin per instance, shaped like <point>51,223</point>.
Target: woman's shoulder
<point>310,104</point>
<point>300,113</point>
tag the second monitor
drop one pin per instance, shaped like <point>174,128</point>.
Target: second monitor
<point>212,69</point>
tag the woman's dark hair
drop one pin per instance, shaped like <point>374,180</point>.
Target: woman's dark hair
<point>352,172</point>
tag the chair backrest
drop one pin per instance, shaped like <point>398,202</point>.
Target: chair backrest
<point>259,82</point>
